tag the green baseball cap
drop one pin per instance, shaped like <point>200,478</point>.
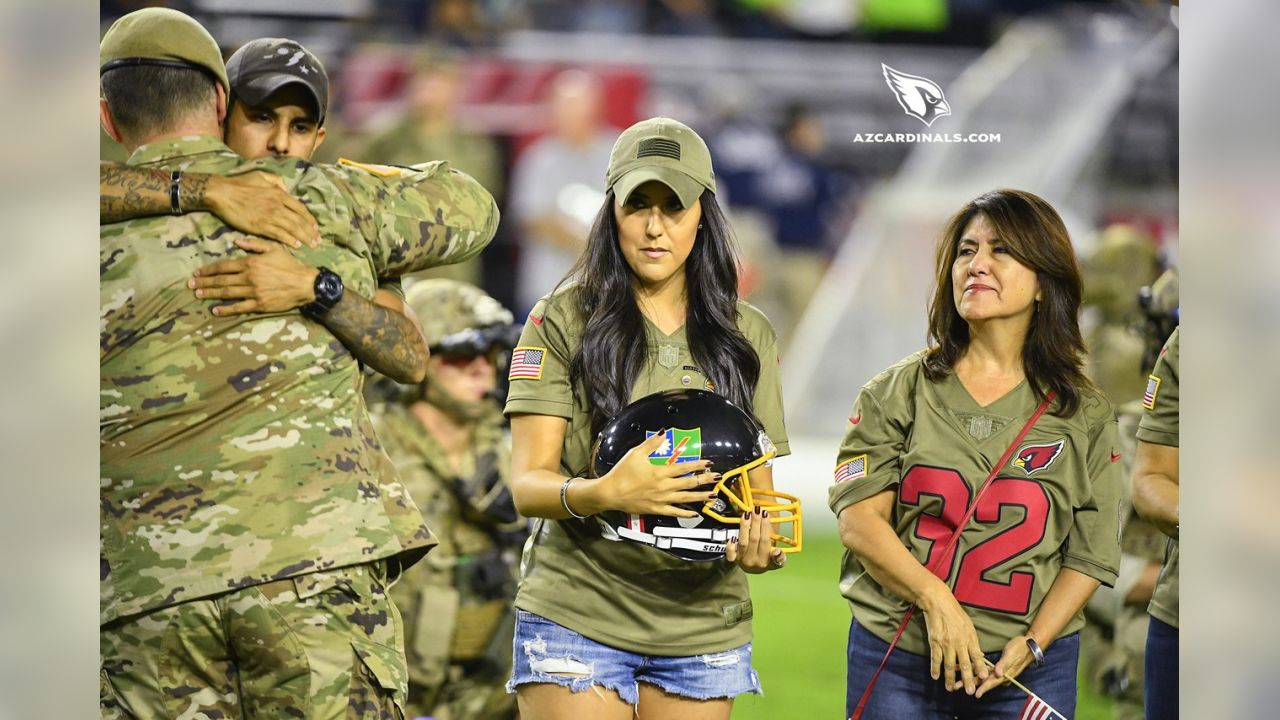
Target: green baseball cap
<point>160,36</point>
<point>665,150</point>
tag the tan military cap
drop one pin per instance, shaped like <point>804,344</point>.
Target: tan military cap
<point>160,36</point>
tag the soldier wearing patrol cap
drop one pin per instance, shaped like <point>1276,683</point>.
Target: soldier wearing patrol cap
<point>448,442</point>
<point>250,522</point>
<point>279,97</point>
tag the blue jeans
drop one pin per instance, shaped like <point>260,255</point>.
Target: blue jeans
<point>906,691</point>
<point>1160,676</point>
<point>546,652</point>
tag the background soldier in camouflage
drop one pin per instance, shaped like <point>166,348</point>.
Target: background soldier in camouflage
<point>447,440</point>
<point>430,131</point>
<point>1112,644</point>
<point>250,519</point>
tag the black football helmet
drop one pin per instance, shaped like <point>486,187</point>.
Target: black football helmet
<point>698,425</point>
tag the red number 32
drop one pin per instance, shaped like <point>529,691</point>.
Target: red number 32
<point>1006,493</point>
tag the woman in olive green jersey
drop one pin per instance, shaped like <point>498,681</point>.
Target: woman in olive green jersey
<point>924,436</point>
<point>609,629</point>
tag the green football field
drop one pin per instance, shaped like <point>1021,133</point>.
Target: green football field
<point>801,624</point>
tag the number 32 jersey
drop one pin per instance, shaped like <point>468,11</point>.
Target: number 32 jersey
<point>1054,504</point>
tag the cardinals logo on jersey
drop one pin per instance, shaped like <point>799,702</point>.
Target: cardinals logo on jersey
<point>920,97</point>
<point>1034,458</point>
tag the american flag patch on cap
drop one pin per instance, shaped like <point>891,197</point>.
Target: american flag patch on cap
<point>851,469</point>
<point>526,363</point>
<point>1149,397</point>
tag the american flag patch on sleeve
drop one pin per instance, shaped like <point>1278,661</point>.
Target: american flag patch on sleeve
<point>851,469</point>
<point>1149,397</point>
<point>526,363</point>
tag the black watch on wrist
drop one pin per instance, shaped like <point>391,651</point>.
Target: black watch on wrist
<point>329,291</point>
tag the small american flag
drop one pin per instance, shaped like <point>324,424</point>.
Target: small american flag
<point>1149,397</point>
<point>526,363</point>
<point>851,469</point>
<point>1037,709</point>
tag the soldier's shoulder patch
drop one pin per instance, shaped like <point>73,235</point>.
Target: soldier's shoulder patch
<point>379,170</point>
<point>1153,388</point>
<point>526,363</point>
<point>851,469</point>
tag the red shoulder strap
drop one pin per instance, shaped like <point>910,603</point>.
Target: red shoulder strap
<point>937,566</point>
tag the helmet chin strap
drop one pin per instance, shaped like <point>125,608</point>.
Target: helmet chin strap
<point>460,410</point>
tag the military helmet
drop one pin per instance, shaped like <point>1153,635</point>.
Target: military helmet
<point>698,425</point>
<point>1160,314</point>
<point>458,318</point>
<point>1125,259</point>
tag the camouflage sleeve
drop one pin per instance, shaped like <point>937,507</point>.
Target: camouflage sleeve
<point>420,217</point>
<point>1093,545</point>
<point>392,285</point>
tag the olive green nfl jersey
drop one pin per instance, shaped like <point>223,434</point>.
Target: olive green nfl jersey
<point>1055,504</point>
<point>237,450</point>
<point>624,594</point>
<point>1159,425</point>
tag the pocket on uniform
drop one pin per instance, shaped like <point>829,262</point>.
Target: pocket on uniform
<point>379,683</point>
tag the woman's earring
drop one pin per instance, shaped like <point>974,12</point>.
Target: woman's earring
<point>699,226</point>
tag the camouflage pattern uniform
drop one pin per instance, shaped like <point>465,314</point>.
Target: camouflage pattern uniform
<point>250,519</point>
<point>457,602</point>
<point>477,155</point>
<point>1113,643</point>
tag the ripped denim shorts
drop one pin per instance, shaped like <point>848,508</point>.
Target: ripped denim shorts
<point>546,652</point>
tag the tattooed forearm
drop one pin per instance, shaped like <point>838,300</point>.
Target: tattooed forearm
<point>191,191</point>
<point>379,337</point>
<point>126,192</point>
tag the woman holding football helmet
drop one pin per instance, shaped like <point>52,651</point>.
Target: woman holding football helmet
<point>633,601</point>
<point>977,487</point>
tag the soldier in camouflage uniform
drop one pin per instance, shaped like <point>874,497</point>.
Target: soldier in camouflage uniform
<point>1111,648</point>
<point>430,131</point>
<point>448,442</point>
<point>1112,645</point>
<point>250,520</point>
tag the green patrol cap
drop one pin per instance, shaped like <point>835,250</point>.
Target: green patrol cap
<point>665,150</point>
<point>160,36</point>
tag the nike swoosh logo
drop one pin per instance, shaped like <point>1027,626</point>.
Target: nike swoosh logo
<point>856,419</point>
<point>1115,457</point>
<point>536,320</point>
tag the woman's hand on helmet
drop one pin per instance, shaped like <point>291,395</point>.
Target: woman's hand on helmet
<point>636,485</point>
<point>754,551</point>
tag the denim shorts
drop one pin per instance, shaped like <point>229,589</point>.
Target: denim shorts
<point>905,689</point>
<point>546,652</point>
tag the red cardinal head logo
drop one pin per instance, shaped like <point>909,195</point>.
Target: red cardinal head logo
<point>1033,458</point>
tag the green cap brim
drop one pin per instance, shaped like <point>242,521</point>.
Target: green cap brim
<point>685,187</point>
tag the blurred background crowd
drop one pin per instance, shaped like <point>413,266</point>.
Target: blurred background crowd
<point>1077,101</point>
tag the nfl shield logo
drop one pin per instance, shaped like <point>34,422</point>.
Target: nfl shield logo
<point>668,356</point>
<point>678,446</point>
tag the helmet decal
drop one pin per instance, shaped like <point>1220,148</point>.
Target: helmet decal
<point>695,425</point>
<point>679,446</point>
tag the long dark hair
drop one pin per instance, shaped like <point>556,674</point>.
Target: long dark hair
<point>614,343</point>
<point>1034,234</point>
